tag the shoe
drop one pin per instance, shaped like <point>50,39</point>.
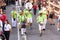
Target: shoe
<point>19,29</point>
<point>44,29</point>
<point>25,33</point>
<point>53,24</point>
<point>40,34</point>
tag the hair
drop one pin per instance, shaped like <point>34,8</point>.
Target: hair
<point>7,21</point>
<point>40,14</point>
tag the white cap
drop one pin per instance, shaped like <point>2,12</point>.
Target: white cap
<point>43,8</point>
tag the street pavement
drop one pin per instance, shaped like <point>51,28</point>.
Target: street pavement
<point>49,34</point>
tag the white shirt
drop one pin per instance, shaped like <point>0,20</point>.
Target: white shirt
<point>28,5</point>
<point>7,27</point>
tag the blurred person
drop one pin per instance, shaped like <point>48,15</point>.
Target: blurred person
<point>0,13</point>
<point>39,4</point>
<point>7,29</point>
<point>58,24</point>
<point>35,8</point>
<point>51,17</point>
<point>45,16</point>
<point>23,2</point>
<point>1,25</point>
<point>28,5</point>
<point>29,19</point>
<point>22,20</point>
<point>2,36</point>
<point>13,16</point>
<point>3,18</point>
<point>40,21</point>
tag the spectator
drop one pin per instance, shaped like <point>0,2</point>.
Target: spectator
<point>39,4</point>
<point>51,17</point>
<point>58,24</point>
<point>3,18</point>
<point>1,24</point>
<point>0,13</point>
<point>35,8</point>
<point>28,5</point>
<point>2,36</point>
<point>7,29</point>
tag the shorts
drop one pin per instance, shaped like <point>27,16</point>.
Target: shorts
<point>40,27</point>
<point>23,30</point>
<point>23,25</point>
<point>29,20</point>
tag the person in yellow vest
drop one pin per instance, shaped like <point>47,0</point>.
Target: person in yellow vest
<point>45,13</point>
<point>40,21</point>
<point>13,16</point>
<point>22,20</point>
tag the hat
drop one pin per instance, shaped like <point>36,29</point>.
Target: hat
<point>43,8</point>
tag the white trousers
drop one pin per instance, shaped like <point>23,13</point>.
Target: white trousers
<point>13,23</point>
<point>23,30</point>
<point>29,20</point>
<point>40,27</point>
<point>44,25</point>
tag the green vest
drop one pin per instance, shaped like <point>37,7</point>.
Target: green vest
<point>40,19</point>
<point>14,14</point>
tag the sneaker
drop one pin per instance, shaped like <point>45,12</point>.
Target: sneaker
<point>44,29</point>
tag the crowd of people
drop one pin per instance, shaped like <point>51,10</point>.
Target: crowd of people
<point>25,16</point>
<point>5,27</point>
<point>25,19</point>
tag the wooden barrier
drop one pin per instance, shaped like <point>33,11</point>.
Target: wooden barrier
<point>54,5</point>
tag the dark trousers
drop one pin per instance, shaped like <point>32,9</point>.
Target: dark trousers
<point>3,26</point>
<point>7,34</point>
<point>34,11</point>
<point>39,7</point>
<point>3,7</point>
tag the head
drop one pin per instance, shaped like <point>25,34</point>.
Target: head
<point>21,12</point>
<point>7,22</point>
<point>40,14</point>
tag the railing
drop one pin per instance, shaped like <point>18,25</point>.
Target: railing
<point>54,5</point>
